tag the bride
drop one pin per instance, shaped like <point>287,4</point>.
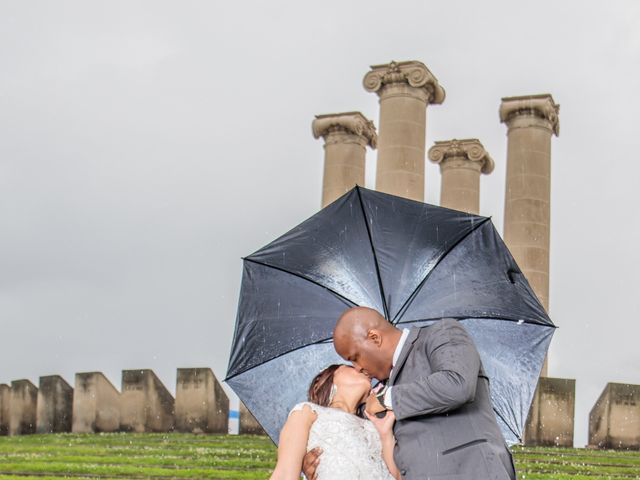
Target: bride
<point>352,448</point>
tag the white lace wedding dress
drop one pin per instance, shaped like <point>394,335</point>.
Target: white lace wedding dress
<point>351,446</point>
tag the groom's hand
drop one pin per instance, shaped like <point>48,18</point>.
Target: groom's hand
<point>373,405</point>
<point>310,463</point>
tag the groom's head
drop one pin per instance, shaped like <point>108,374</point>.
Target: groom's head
<point>366,339</point>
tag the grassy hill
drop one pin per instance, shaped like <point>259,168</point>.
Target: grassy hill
<point>180,456</point>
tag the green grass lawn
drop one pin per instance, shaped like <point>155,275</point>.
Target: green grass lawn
<point>179,456</point>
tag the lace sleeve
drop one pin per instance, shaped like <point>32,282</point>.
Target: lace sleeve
<point>298,407</point>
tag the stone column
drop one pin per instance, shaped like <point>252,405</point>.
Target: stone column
<point>5,395</point>
<point>55,405</point>
<point>22,407</point>
<point>531,121</point>
<point>96,404</point>
<point>201,404</point>
<point>461,162</point>
<point>405,89</point>
<point>346,136</point>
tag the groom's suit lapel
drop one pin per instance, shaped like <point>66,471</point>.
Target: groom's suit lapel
<point>404,353</point>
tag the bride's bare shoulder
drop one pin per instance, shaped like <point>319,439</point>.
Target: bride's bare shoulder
<point>306,410</point>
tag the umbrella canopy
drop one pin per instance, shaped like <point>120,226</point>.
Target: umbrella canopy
<point>413,262</point>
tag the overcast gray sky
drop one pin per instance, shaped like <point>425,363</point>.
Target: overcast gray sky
<point>146,146</point>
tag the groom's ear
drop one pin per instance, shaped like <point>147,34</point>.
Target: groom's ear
<point>374,336</point>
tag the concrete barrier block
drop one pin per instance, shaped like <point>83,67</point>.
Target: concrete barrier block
<point>22,407</point>
<point>614,421</point>
<point>55,405</point>
<point>145,404</point>
<point>96,404</point>
<point>551,417</point>
<point>202,406</point>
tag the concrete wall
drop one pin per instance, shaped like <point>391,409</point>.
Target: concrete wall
<point>201,404</point>
<point>551,418</point>
<point>5,396</point>
<point>145,404</point>
<point>55,405</point>
<point>96,404</point>
<point>22,407</point>
<point>614,421</point>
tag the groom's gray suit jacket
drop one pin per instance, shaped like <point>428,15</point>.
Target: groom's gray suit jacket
<point>445,425</point>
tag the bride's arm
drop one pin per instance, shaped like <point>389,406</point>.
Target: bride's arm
<point>293,444</point>
<point>388,442</point>
<point>384,427</point>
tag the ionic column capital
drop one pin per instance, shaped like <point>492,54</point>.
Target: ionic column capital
<point>349,122</point>
<point>541,107</point>
<point>458,153</point>
<point>412,73</point>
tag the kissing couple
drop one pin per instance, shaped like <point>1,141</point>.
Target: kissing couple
<point>429,418</point>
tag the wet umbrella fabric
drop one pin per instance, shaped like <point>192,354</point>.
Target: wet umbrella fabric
<point>416,263</point>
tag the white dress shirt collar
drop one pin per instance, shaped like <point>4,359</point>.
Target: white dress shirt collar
<point>388,396</point>
<point>403,339</point>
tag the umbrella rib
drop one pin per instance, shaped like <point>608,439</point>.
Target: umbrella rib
<point>407,302</point>
<point>341,297</point>
<point>375,257</point>
<point>507,424</point>
<point>465,317</point>
<point>317,342</point>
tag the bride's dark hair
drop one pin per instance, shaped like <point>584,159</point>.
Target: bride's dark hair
<point>320,388</point>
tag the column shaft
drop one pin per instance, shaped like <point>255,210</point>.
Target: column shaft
<point>403,123</point>
<point>461,189</point>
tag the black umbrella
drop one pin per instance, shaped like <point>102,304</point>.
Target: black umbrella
<point>415,263</point>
